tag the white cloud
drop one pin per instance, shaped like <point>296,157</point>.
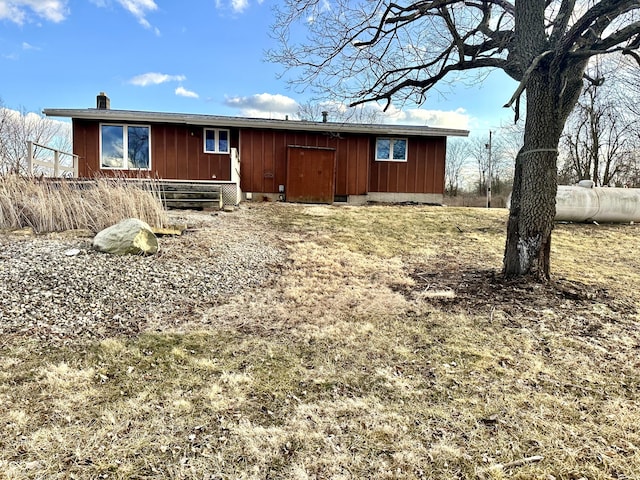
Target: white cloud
<point>138,8</point>
<point>183,92</point>
<point>155,78</point>
<point>236,6</point>
<point>19,11</point>
<point>432,118</point>
<point>373,113</point>
<point>28,46</point>
<point>263,105</point>
<point>239,6</point>
<point>325,6</point>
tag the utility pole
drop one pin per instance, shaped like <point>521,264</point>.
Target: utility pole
<point>488,146</point>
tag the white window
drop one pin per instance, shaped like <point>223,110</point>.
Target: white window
<point>125,147</point>
<point>391,149</point>
<point>216,140</point>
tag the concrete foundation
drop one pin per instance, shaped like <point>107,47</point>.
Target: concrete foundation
<point>387,197</point>
<point>380,197</point>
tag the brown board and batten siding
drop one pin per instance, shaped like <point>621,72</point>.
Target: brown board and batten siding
<point>423,172</point>
<point>263,156</point>
<point>264,147</point>
<point>177,152</point>
<point>86,144</point>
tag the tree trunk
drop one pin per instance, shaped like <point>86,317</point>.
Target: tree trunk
<point>533,201</point>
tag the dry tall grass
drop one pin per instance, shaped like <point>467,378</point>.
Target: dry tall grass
<point>48,206</point>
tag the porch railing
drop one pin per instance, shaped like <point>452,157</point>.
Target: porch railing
<point>54,165</point>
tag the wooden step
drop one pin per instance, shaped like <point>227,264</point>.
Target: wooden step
<point>184,194</point>
<point>191,195</point>
<point>193,204</point>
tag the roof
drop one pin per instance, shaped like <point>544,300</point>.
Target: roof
<point>108,115</point>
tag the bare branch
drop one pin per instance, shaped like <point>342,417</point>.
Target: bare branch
<point>597,18</point>
<point>596,82</point>
<point>525,78</point>
<point>633,55</point>
<point>610,44</point>
<point>425,84</point>
<point>504,4</point>
<point>562,20</point>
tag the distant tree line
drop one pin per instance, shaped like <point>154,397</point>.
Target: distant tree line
<point>600,142</point>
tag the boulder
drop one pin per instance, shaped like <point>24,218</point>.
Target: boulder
<point>129,237</point>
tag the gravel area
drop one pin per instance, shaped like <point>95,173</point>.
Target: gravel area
<point>50,294</point>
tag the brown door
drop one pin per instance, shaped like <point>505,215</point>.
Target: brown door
<point>311,174</point>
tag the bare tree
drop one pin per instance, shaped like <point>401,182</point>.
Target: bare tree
<point>629,97</point>
<point>19,126</point>
<point>457,156</point>
<point>492,162</point>
<point>508,142</point>
<point>479,152</point>
<point>385,51</point>
<point>597,141</point>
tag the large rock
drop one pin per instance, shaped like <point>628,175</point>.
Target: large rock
<point>129,237</point>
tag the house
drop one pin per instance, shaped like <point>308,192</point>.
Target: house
<point>297,161</point>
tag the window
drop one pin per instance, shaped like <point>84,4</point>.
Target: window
<point>216,140</point>
<point>391,149</point>
<point>113,153</point>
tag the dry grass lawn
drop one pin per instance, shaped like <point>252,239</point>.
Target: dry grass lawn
<point>388,348</point>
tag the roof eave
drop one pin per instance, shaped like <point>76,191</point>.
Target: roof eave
<point>241,122</point>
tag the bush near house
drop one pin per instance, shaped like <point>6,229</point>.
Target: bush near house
<point>47,205</point>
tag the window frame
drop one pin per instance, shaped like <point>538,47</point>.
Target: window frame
<point>216,140</point>
<point>392,140</point>
<point>126,164</point>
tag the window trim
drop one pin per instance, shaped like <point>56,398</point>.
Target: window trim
<point>392,140</point>
<point>125,141</point>
<point>217,140</point>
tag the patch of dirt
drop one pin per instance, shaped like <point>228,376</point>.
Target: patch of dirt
<point>477,291</point>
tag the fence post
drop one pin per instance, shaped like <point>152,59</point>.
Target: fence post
<point>56,164</point>
<point>29,157</point>
<point>75,159</point>
<point>235,173</point>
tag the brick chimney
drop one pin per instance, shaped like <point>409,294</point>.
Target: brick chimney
<point>103,102</point>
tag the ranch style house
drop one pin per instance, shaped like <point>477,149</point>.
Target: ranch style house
<point>264,159</point>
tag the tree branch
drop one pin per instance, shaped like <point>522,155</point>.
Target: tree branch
<point>370,96</point>
<point>633,54</point>
<point>596,82</point>
<point>604,45</point>
<point>603,13</point>
<point>504,4</point>
<point>525,78</point>
<point>562,20</point>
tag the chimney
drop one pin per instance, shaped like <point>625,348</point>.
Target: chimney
<point>324,116</point>
<point>103,102</point>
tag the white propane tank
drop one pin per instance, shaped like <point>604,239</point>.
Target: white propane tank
<point>586,203</point>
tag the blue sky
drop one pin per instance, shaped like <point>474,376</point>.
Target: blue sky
<point>194,56</point>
